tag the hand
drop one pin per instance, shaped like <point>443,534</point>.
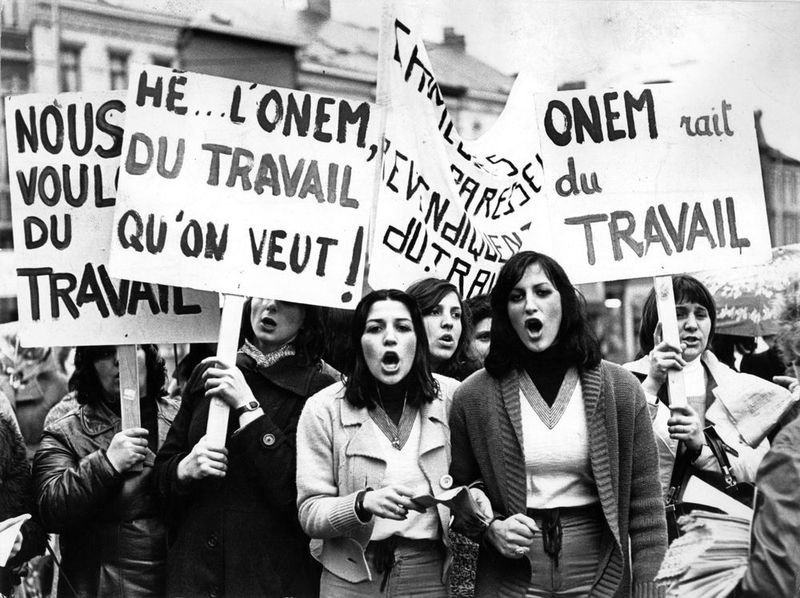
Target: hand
<point>664,357</point>
<point>204,461</point>
<point>684,424</point>
<point>512,537</point>
<point>390,502</point>
<point>225,382</point>
<point>789,382</point>
<point>483,502</point>
<point>17,545</point>
<point>128,448</point>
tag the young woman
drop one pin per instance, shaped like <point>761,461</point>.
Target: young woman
<point>561,442</point>
<point>447,326</point>
<point>234,528</point>
<point>713,389</point>
<point>113,540</point>
<point>365,448</point>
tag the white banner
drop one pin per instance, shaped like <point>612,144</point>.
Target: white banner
<point>244,188</point>
<point>654,180</point>
<point>64,156</point>
<point>448,207</point>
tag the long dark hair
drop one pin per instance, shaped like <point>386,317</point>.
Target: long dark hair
<point>86,385</point>
<point>428,292</point>
<point>360,384</point>
<point>687,289</point>
<point>310,340</point>
<point>575,336</point>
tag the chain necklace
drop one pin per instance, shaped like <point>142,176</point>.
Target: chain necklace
<point>397,434</point>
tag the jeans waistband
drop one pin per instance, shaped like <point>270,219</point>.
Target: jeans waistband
<point>567,515</point>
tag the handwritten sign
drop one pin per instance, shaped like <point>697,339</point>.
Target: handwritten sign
<point>449,207</point>
<point>654,180</point>
<point>64,156</point>
<point>244,189</point>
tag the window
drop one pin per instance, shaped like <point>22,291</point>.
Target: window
<point>164,61</point>
<point>70,67</point>
<point>118,69</point>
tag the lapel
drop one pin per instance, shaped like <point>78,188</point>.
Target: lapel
<point>363,439</point>
<point>600,437</point>
<point>514,491</point>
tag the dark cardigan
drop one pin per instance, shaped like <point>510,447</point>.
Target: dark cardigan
<point>486,436</point>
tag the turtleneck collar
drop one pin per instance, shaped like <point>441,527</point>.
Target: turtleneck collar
<point>547,370</point>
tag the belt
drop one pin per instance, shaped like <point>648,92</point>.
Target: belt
<point>552,521</point>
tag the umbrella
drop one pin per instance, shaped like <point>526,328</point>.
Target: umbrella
<point>750,298</point>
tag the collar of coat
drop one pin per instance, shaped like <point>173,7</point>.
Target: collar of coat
<point>601,445</point>
<point>433,421</point>
<point>98,418</point>
<point>290,373</point>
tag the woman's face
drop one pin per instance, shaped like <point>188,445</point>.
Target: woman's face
<point>275,322</point>
<point>479,347</point>
<point>534,309</point>
<point>443,327</point>
<point>107,368</point>
<point>694,328</point>
<point>388,341</point>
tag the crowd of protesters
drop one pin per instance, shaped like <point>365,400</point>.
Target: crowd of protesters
<point>566,456</point>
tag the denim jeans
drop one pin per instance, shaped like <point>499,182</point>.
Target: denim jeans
<point>417,573</point>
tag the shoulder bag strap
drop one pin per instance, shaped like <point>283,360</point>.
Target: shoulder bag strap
<point>680,469</point>
<point>717,446</point>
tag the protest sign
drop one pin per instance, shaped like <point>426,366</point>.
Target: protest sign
<point>448,207</point>
<point>651,180</point>
<point>64,155</point>
<point>243,188</point>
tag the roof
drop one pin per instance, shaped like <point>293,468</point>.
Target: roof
<point>331,45</point>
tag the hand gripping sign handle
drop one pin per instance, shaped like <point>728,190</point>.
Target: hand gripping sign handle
<point>227,347</point>
<point>665,304</point>
<point>129,390</point>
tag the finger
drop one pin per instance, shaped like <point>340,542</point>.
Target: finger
<point>403,491</point>
<point>519,530</point>
<point>518,552</point>
<point>529,522</point>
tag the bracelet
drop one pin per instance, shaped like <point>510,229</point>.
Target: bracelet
<point>361,513</point>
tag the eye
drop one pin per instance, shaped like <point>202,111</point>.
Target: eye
<point>436,311</point>
<point>701,313</point>
<point>543,292</point>
<point>405,327</point>
<point>372,328</point>
<point>455,314</point>
<point>515,296</point>
<point>681,312</point>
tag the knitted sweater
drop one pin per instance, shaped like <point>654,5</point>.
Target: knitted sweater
<point>486,437</point>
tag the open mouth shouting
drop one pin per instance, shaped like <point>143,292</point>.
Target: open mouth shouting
<point>534,327</point>
<point>447,339</point>
<point>268,323</point>
<point>390,362</point>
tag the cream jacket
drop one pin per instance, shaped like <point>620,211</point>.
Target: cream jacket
<point>336,459</point>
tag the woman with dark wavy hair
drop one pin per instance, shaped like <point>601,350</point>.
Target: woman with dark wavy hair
<point>94,481</point>
<point>365,447</point>
<point>561,442</point>
<point>233,521</point>
<point>447,326</point>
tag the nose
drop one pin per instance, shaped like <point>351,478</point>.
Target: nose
<point>447,320</point>
<point>530,304</point>
<point>271,305</point>
<point>691,322</point>
<point>390,336</point>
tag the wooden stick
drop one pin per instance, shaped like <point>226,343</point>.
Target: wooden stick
<point>665,303</point>
<point>228,345</point>
<point>129,390</point>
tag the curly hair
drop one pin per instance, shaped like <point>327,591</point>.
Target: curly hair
<point>310,340</point>
<point>428,292</point>
<point>687,289</point>
<point>359,382</point>
<point>86,385</point>
<point>575,335</point>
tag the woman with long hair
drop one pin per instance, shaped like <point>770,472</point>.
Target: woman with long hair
<point>447,326</point>
<point>233,521</point>
<point>712,389</point>
<point>93,481</point>
<point>366,446</point>
<point>561,442</point>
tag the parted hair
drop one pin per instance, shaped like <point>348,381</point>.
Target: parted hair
<point>575,338</point>
<point>687,289</point>
<point>428,292</point>
<point>86,385</point>
<point>360,384</point>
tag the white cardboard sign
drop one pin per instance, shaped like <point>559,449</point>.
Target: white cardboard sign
<point>64,156</point>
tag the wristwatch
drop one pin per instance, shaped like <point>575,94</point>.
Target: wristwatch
<point>248,406</point>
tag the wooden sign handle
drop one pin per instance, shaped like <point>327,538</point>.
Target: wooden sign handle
<point>129,390</point>
<point>665,304</point>
<point>228,345</point>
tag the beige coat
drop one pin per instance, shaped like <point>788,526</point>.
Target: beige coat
<point>336,459</point>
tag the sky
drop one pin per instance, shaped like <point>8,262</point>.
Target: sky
<point>749,48</point>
